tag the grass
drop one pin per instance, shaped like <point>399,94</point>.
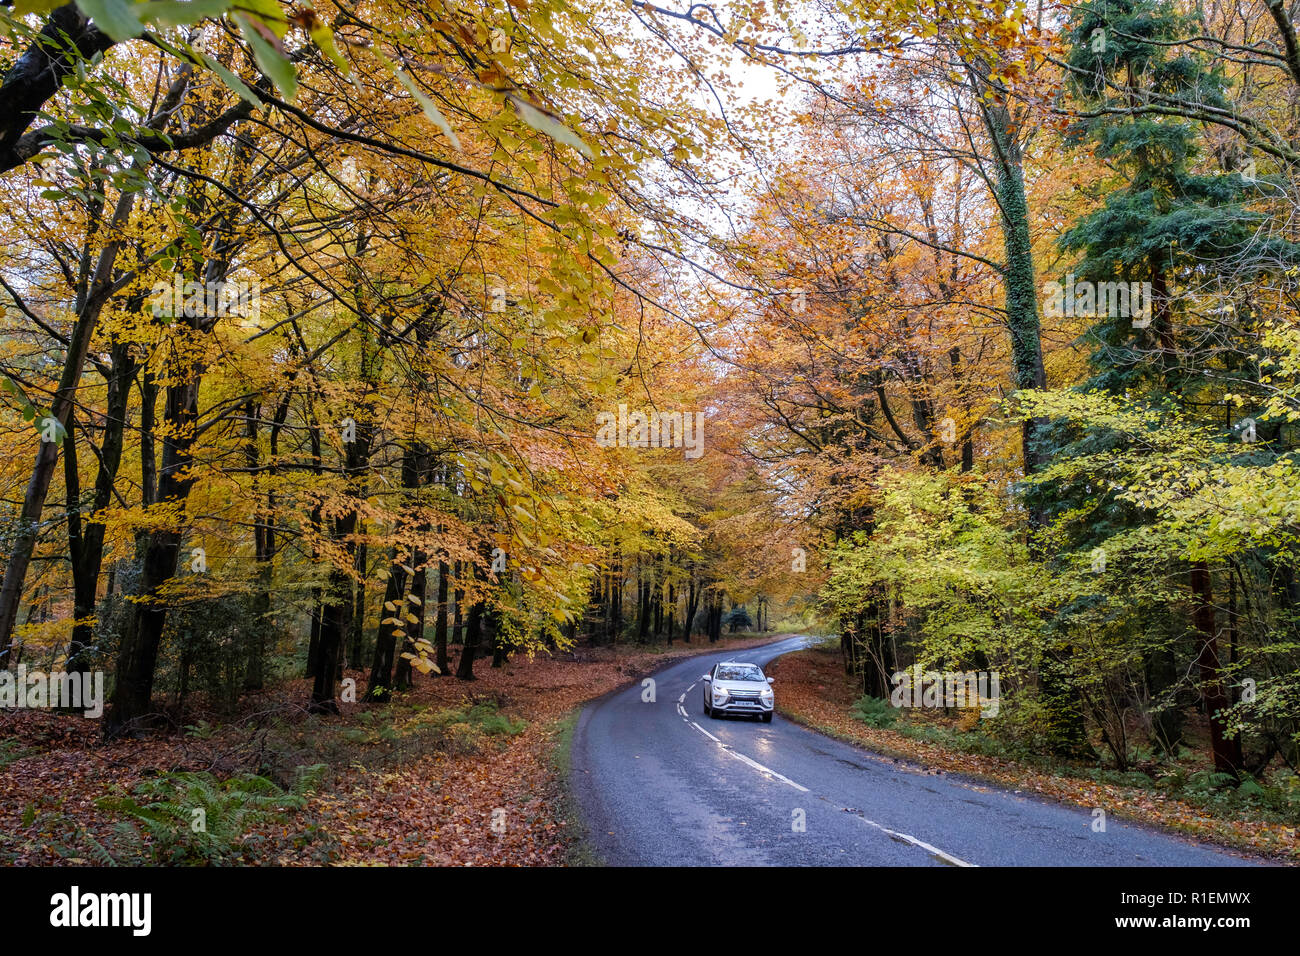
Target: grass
<point>1256,814</point>
<point>1276,800</point>
<point>387,737</point>
<point>580,852</point>
<point>11,750</point>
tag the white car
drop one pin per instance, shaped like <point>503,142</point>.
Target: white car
<point>736,688</point>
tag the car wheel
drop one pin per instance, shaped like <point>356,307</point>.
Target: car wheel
<point>708,711</point>
<point>767,718</point>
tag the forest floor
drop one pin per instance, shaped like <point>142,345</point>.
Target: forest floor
<point>451,773</point>
<point>815,691</point>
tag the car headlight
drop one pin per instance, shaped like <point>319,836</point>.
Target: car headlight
<point>719,693</point>
<point>767,694</point>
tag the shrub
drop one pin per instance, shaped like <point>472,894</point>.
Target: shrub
<point>874,711</point>
<point>195,818</point>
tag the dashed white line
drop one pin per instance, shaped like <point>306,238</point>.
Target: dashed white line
<point>753,763</point>
<point>768,771</point>
<point>706,733</point>
<point>907,837</point>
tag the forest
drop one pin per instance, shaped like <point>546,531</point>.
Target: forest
<point>364,349</point>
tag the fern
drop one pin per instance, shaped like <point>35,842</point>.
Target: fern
<point>874,711</point>
<point>197,818</point>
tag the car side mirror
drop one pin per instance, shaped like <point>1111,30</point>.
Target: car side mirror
<point>770,679</point>
<point>707,678</point>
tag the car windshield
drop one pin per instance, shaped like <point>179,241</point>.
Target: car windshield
<point>739,672</point>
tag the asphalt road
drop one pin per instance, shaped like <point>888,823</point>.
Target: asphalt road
<point>660,784</point>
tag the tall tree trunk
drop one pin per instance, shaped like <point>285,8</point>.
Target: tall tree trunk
<point>465,670</point>
<point>671,615</point>
<point>500,650</point>
<point>1225,748</point>
<point>88,555</point>
<point>38,486</point>
<point>440,623</point>
<point>1061,696</point>
<point>616,596</point>
<point>138,653</point>
<point>390,622</point>
<point>336,621</point>
<point>317,596</point>
<point>458,598</point>
<point>692,608</point>
<point>404,678</point>
<point>642,606</point>
<point>392,614</point>
<point>313,641</point>
<point>263,543</point>
<point>333,627</point>
<point>357,608</point>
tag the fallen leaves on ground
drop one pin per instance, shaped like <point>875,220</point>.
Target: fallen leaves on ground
<point>502,805</point>
<point>816,692</point>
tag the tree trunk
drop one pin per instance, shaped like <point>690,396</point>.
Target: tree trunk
<point>390,621</point>
<point>457,623</point>
<point>404,678</point>
<point>440,623</point>
<point>315,522</point>
<point>38,486</point>
<point>642,607</point>
<point>671,611</point>
<point>392,614</point>
<point>465,670</point>
<point>138,653</point>
<point>692,608</point>
<point>1226,749</point>
<point>88,556</point>
<point>336,620</point>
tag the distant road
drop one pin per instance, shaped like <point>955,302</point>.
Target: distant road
<point>662,784</point>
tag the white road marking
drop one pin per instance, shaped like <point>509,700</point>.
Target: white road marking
<point>705,732</point>
<point>753,763</point>
<point>906,837</point>
<point>761,769</point>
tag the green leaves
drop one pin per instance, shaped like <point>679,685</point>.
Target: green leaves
<point>268,53</point>
<point>51,428</point>
<point>427,105</point>
<point>229,78</point>
<point>117,18</point>
<point>124,20</point>
<point>262,23</point>
<point>179,13</point>
<point>323,37</point>
<point>549,124</point>
<point>23,7</point>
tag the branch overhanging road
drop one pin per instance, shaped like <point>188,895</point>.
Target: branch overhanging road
<point>663,784</point>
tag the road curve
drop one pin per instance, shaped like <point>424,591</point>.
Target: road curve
<point>660,784</point>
